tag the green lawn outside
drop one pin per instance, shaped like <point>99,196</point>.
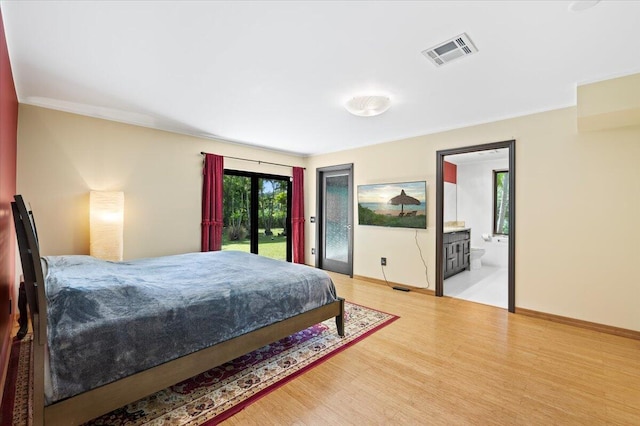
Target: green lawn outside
<point>272,246</point>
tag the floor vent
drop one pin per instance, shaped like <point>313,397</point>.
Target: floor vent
<point>458,47</point>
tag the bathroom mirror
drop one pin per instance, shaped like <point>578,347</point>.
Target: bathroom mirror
<point>450,192</point>
<point>450,202</point>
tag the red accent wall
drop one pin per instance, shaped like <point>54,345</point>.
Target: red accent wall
<point>450,172</point>
<point>8,148</point>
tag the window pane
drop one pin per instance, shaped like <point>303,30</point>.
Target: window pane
<point>501,211</point>
<point>272,216</point>
<point>236,209</point>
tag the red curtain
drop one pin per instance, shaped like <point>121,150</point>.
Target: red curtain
<point>212,202</point>
<point>297,215</point>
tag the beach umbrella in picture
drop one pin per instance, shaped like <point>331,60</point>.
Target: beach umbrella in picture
<point>403,199</point>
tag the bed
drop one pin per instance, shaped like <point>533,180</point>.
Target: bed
<point>109,333</point>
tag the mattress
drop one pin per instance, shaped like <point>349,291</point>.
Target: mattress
<point>108,320</point>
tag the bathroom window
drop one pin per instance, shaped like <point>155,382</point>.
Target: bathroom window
<point>501,202</point>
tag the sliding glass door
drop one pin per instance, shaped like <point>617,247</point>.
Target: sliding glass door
<point>256,210</point>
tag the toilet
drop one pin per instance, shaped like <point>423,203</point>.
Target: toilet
<point>476,254</point>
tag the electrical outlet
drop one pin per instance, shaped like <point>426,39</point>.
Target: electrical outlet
<point>383,261</point>
<point>313,251</point>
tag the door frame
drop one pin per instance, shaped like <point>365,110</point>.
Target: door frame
<point>320,171</point>
<point>440,155</point>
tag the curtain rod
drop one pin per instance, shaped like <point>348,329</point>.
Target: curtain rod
<point>257,161</point>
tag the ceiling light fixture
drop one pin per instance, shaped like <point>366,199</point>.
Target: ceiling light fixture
<point>582,5</point>
<point>368,106</point>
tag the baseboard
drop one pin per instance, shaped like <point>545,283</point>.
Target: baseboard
<point>390,284</point>
<point>608,329</point>
<point>617,331</point>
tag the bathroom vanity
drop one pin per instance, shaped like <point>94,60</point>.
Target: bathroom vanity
<point>456,251</point>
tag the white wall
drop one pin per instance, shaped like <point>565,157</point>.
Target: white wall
<point>572,189</point>
<point>385,163</point>
<point>62,156</point>
<point>475,196</point>
<point>450,213</point>
<point>475,207</point>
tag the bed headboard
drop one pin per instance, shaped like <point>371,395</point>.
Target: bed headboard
<point>31,267</point>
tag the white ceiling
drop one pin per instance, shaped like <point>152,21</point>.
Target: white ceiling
<point>478,156</point>
<point>277,74</point>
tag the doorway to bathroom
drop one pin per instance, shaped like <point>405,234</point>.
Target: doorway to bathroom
<point>475,223</point>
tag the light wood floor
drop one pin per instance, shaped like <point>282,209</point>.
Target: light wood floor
<point>449,361</point>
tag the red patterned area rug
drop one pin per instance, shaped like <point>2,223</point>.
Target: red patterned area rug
<point>17,387</point>
<point>213,396</point>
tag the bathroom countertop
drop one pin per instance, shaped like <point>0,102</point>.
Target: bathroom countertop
<point>446,230</point>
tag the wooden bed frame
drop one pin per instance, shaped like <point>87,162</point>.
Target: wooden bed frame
<point>88,405</point>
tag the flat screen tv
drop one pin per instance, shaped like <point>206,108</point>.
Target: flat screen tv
<point>400,205</point>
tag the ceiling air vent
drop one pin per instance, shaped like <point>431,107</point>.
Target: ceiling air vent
<point>450,50</point>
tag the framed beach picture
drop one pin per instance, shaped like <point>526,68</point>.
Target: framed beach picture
<point>400,205</point>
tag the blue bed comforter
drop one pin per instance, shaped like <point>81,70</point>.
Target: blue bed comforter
<point>108,320</point>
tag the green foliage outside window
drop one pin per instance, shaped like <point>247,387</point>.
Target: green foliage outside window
<point>272,205</point>
<point>501,197</point>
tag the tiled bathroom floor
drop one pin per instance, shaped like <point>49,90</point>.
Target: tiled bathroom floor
<point>487,285</point>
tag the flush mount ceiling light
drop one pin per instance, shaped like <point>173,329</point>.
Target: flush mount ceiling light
<point>368,106</point>
<point>582,5</point>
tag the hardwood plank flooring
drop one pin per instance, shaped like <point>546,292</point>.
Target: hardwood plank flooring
<point>448,361</point>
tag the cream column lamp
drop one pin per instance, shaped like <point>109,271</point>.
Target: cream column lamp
<point>106,225</point>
